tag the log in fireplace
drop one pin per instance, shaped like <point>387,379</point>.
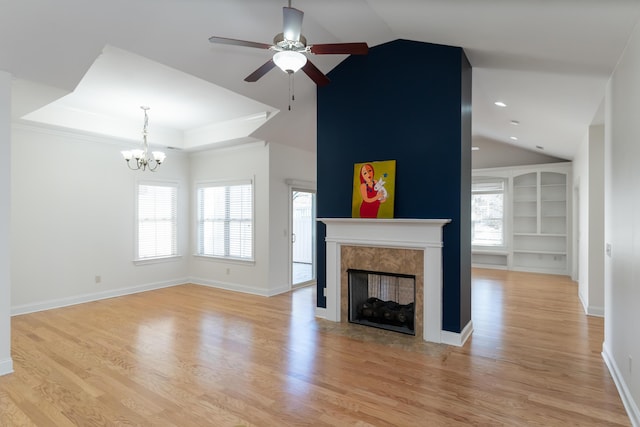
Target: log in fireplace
<point>382,300</point>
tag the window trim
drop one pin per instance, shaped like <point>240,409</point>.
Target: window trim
<point>505,222</point>
<point>221,183</point>
<point>136,245</point>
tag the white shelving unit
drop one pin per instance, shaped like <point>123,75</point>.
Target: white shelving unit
<point>537,222</point>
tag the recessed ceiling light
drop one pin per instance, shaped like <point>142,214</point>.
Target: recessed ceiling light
<point>515,122</point>
<point>539,147</point>
<point>500,104</point>
<point>513,138</point>
<point>475,148</point>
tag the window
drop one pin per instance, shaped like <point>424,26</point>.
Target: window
<point>225,220</point>
<point>487,212</point>
<point>157,220</point>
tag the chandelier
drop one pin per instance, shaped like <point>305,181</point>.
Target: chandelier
<point>141,158</point>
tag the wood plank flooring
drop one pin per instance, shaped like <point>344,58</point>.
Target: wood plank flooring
<point>197,356</point>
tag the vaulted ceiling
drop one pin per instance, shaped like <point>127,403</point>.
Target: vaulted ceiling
<point>96,62</point>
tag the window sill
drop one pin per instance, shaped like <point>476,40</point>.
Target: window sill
<point>158,260</point>
<point>229,260</point>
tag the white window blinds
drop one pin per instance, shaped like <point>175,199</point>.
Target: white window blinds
<point>225,220</point>
<point>157,220</point>
<point>487,212</point>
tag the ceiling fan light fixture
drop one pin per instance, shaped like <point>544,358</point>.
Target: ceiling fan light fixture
<point>289,61</point>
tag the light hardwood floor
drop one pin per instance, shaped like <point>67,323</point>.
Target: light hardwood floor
<point>197,356</point>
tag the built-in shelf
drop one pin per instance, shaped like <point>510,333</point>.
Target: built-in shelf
<point>528,251</point>
<point>536,234</point>
<point>537,231</point>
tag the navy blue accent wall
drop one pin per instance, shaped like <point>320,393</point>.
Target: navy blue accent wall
<point>410,102</point>
<point>465,193</point>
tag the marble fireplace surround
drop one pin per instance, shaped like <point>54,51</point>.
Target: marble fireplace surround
<point>412,239</point>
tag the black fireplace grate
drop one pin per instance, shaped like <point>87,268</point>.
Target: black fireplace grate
<point>382,300</point>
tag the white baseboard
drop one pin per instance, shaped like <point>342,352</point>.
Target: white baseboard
<point>321,312</point>
<point>233,287</point>
<point>278,290</point>
<point>595,311</point>
<point>623,390</point>
<point>6,366</point>
<point>80,299</point>
<point>457,339</point>
<point>590,309</point>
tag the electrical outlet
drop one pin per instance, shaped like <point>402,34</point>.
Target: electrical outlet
<point>228,271</point>
<point>98,279</point>
<point>630,364</point>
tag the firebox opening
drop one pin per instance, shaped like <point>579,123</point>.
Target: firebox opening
<point>382,300</point>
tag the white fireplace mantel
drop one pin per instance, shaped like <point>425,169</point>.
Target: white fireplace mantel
<point>422,234</point>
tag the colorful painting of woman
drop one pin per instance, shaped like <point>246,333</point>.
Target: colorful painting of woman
<point>373,189</point>
<point>371,197</point>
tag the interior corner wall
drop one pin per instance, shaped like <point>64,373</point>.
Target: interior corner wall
<point>249,161</point>
<point>581,220</point>
<point>410,102</point>
<point>73,218</point>
<point>6,364</point>
<point>588,181</point>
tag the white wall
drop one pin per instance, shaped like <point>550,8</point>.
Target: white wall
<point>596,220</point>
<point>244,162</point>
<point>621,348</point>
<point>580,270</point>
<point>6,365</point>
<point>285,163</point>
<point>73,209</point>
<point>588,166</point>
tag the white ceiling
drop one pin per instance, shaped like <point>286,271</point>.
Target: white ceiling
<point>184,111</point>
<point>548,60</point>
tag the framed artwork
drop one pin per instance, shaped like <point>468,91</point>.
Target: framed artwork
<point>373,189</point>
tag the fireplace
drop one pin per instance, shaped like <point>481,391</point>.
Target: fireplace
<point>401,246</point>
<point>382,300</point>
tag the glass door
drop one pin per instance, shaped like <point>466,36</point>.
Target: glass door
<point>303,237</point>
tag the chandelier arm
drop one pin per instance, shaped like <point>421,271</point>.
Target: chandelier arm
<point>132,168</point>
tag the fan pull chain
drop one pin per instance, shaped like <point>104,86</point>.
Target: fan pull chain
<point>292,95</point>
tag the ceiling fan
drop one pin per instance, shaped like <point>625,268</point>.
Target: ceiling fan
<point>290,46</point>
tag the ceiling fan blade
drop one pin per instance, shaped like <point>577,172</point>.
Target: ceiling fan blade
<point>340,48</point>
<point>315,74</point>
<point>235,42</point>
<point>292,23</point>
<point>257,74</point>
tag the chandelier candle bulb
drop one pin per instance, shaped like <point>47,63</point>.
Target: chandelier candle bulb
<point>158,156</point>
